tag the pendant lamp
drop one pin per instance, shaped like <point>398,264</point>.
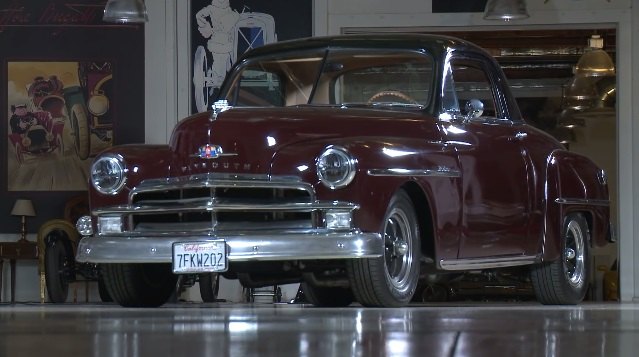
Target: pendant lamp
<point>506,10</point>
<point>595,62</point>
<point>125,11</point>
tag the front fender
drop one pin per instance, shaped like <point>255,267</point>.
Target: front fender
<point>384,166</point>
<point>141,162</point>
<point>574,184</point>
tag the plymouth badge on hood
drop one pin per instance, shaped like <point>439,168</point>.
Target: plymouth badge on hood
<point>209,151</point>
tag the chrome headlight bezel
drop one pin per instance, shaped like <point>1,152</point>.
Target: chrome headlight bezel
<point>108,174</point>
<point>346,167</point>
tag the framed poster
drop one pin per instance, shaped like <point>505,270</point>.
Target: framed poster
<point>59,117</point>
<point>222,30</point>
<point>72,85</point>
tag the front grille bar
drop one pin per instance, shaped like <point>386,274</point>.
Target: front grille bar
<point>217,205</point>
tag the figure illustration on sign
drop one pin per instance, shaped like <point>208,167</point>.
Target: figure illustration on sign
<point>21,119</point>
<point>228,35</point>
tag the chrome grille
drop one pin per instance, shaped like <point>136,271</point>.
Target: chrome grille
<point>222,202</point>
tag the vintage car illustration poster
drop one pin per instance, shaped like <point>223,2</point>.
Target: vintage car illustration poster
<point>222,30</point>
<point>58,118</point>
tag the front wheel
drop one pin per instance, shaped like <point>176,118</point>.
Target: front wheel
<point>58,267</point>
<point>103,292</point>
<point>139,285</point>
<point>209,286</point>
<point>390,280</point>
<point>565,281</point>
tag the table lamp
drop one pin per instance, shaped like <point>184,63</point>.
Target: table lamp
<point>23,208</point>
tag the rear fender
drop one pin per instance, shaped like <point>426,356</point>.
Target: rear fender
<point>574,184</point>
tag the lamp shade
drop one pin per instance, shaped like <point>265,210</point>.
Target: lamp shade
<point>581,93</point>
<point>595,63</point>
<point>125,11</point>
<point>506,10</point>
<point>23,207</point>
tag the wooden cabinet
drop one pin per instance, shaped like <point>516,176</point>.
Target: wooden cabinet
<point>13,251</point>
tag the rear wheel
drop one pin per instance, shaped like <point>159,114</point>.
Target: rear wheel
<point>565,281</point>
<point>58,263</point>
<point>208,286</point>
<point>139,285</point>
<point>391,280</point>
<point>327,296</point>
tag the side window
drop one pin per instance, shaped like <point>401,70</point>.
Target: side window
<point>259,88</point>
<point>467,80</point>
<point>376,77</point>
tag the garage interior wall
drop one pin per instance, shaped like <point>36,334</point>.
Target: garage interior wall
<point>167,83</point>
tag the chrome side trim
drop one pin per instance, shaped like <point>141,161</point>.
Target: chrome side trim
<point>261,246</point>
<point>582,201</point>
<point>488,262</point>
<point>407,172</point>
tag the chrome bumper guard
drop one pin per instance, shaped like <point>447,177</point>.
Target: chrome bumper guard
<point>288,246</point>
<point>295,238</point>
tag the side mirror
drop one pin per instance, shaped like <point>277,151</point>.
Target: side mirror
<point>474,108</point>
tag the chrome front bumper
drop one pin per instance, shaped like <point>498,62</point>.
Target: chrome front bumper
<point>251,247</point>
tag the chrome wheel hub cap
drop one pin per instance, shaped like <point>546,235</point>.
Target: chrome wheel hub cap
<point>574,255</point>
<point>397,237</point>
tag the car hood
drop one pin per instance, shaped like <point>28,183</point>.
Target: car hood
<point>249,138</point>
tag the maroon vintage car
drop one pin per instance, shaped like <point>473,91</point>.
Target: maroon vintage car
<point>358,166</point>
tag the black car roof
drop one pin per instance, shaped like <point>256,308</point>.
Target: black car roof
<point>431,42</point>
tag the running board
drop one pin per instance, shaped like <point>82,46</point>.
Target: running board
<point>488,263</point>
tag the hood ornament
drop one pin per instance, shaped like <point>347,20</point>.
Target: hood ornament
<point>218,107</point>
<point>209,151</point>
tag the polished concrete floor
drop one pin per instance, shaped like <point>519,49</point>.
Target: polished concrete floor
<point>264,329</point>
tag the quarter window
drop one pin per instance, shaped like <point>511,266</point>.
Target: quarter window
<point>467,80</point>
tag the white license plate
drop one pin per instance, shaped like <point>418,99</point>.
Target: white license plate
<point>199,257</point>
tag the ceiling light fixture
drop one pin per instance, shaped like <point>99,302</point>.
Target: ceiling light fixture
<point>595,62</point>
<point>125,11</point>
<point>506,10</point>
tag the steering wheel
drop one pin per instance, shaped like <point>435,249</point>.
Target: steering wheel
<point>392,93</point>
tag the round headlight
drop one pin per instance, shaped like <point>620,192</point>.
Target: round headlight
<point>108,175</point>
<point>335,167</point>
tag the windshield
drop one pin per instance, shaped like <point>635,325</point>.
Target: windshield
<point>345,77</point>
